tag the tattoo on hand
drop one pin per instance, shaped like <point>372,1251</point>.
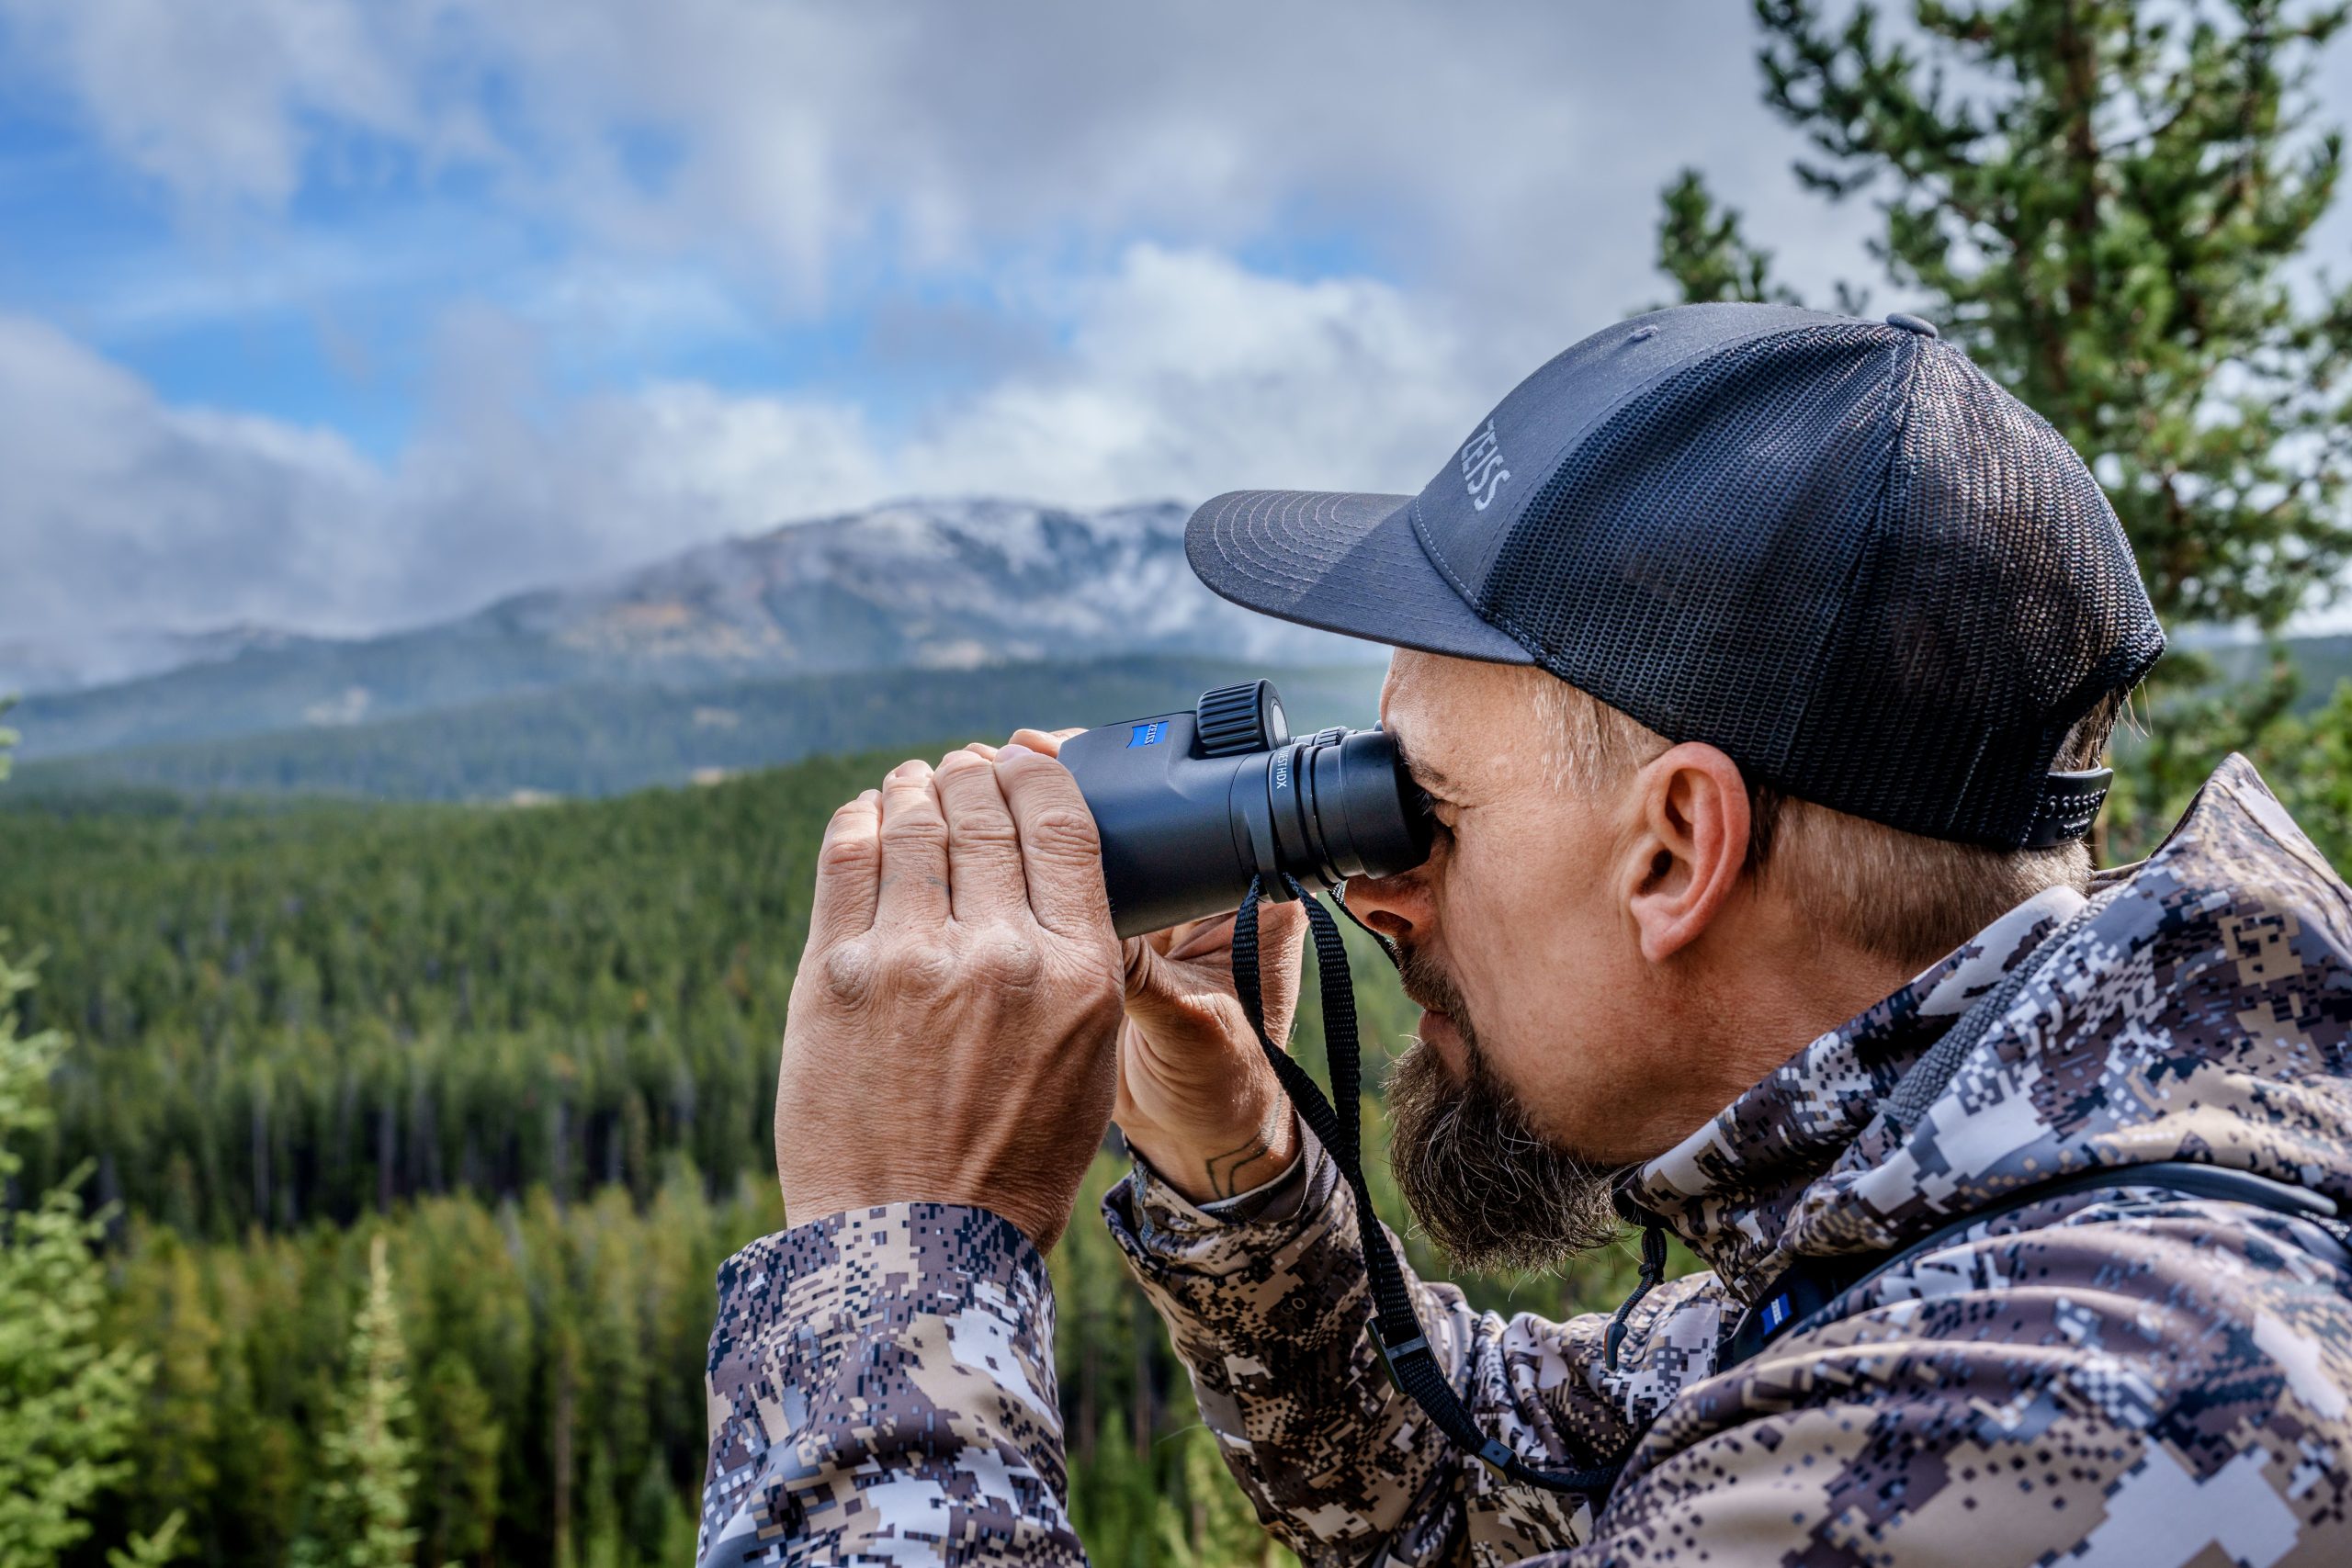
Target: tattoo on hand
<point>1224,1169</point>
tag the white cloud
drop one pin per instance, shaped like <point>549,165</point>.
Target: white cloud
<point>1188,375</point>
<point>115,497</point>
<point>1185,374</point>
<point>1465,189</point>
<point>1508,151</point>
<point>222,101</point>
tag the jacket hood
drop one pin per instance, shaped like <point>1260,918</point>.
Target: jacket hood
<point>2193,1007</point>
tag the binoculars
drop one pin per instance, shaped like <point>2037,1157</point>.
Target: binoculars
<point>1191,805</point>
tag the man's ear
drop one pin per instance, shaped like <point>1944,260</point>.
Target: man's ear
<point>1689,846</point>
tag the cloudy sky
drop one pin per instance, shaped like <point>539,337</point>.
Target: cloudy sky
<point>339,314</point>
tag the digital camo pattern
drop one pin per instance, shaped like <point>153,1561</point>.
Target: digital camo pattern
<point>881,1388</point>
<point>1270,1314</point>
<point>2117,1377</point>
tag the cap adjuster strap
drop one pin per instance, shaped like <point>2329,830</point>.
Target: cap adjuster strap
<point>2068,805</point>
<point>1396,1327</point>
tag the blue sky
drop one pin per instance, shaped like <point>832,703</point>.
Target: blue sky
<point>341,314</point>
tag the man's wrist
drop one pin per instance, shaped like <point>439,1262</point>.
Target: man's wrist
<point>1039,1215</point>
<point>1218,1169</point>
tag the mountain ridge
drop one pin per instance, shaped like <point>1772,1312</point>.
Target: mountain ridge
<point>944,584</point>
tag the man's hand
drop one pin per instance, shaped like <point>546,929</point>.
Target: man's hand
<point>1196,1096</point>
<point>951,1029</point>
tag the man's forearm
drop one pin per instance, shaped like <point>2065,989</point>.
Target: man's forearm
<point>881,1384</point>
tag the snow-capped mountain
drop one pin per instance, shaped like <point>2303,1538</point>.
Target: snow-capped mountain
<point>920,583</point>
<point>917,585</point>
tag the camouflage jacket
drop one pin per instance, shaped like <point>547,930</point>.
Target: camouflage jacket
<point>2118,1376</point>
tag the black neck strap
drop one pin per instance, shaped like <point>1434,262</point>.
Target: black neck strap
<point>1335,1120</point>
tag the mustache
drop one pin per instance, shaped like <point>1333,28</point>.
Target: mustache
<point>1428,987</point>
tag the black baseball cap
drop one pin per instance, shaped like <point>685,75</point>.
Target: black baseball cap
<point>1832,547</point>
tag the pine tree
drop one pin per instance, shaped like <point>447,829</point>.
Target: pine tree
<point>69,1403</point>
<point>2107,219</point>
<point>1701,247</point>
<point>1213,1526</point>
<point>361,1515</point>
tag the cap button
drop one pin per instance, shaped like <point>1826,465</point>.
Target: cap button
<point>1911,324</point>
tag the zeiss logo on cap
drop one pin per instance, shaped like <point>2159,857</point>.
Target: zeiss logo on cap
<point>1150,734</point>
<point>1482,467</point>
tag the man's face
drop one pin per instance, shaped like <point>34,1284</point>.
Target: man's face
<point>1546,1057</point>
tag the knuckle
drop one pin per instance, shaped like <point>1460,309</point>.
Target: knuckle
<point>1060,831</point>
<point>1011,959</point>
<point>994,831</point>
<point>847,974</point>
<point>915,830</point>
<point>843,853</point>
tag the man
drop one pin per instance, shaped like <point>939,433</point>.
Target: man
<point>1758,663</point>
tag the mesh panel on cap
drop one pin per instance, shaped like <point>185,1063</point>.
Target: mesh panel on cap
<point>1999,603</point>
<point>1845,557</point>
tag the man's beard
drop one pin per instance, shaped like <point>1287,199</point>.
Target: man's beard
<point>1482,1181</point>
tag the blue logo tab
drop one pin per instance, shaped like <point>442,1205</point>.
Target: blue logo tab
<point>1150,734</point>
<point>1776,1314</point>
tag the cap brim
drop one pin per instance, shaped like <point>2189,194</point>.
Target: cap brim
<point>1342,563</point>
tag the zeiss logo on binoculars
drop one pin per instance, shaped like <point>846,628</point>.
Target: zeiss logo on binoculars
<point>1150,734</point>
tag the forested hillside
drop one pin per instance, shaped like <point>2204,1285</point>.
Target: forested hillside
<point>534,1048</point>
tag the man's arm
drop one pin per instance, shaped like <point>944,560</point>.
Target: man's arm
<point>881,1377</point>
<point>882,1388</point>
<point>1265,1302</point>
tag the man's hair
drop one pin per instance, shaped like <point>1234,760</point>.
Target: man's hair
<point>1878,889</point>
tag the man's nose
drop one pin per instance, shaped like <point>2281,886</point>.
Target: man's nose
<point>1398,907</point>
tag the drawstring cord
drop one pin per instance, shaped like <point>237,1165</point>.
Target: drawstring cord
<point>1652,1275</point>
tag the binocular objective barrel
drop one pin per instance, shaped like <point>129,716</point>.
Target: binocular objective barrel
<point>1192,803</point>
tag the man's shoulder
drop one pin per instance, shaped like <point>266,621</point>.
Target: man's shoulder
<point>2053,1376</point>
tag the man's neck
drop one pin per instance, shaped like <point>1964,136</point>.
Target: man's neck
<point>1778,998</point>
